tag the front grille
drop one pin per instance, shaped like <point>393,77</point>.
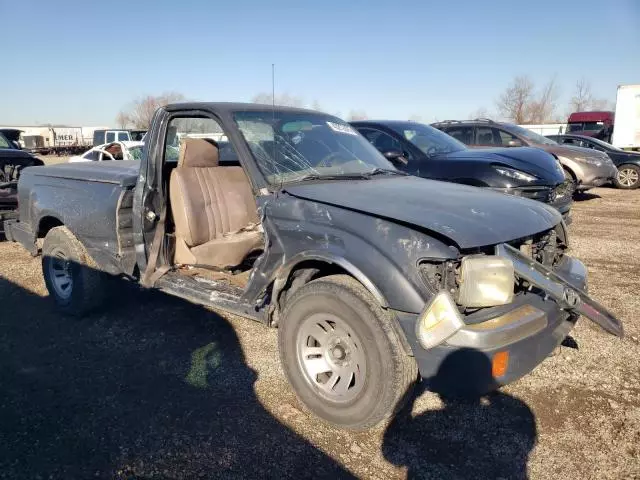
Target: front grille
<point>542,194</point>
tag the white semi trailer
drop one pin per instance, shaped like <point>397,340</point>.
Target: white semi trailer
<point>626,129</point>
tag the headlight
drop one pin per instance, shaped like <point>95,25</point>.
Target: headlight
<point>439,321</point>
<point>485,281</point>
<point>515,174</point>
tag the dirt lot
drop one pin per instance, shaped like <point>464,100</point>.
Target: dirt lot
<point>158,388</point>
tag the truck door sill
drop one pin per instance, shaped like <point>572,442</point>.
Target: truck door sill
<point>211,293</point>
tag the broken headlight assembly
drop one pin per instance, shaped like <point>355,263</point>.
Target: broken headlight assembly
<point>438,321</point>
<point>485,281</point>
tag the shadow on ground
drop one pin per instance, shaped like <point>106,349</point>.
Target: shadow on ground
<point>158,388</point>
<point>472,436</point>
<point>155,388</point>
<point>584,196</point>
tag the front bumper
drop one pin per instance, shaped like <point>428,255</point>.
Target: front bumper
<point>596,176</point>
<point>526,331</point>
<point>558,197</point>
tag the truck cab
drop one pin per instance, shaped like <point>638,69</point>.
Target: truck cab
<point>100,137</point>
<point>592,124</point>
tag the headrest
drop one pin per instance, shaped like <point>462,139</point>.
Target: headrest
<point>198,153</point>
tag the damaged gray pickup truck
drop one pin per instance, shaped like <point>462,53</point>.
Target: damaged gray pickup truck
<point>290,217</point>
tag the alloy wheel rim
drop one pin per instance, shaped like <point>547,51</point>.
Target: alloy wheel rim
<point>628,177</point>
<point>331,357</point>
<point>60,274</point>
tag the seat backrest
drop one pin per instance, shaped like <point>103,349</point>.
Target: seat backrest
<point>208,201</point>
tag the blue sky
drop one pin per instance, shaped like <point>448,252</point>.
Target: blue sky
<point>80,62</point>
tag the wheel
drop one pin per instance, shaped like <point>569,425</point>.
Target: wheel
<point>341,354</point>
<point>628,177</point>
<point>70,274</point>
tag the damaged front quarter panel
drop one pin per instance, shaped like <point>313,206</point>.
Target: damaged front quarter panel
<point>381,254</point>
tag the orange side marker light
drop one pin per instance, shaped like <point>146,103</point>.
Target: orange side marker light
<point>500,364</point>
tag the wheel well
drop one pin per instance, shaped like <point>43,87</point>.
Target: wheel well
<point>46,224</point>
<point>306,271</point>
<point>628,165</point>
<point>301,274</point>
<point>573,175</point>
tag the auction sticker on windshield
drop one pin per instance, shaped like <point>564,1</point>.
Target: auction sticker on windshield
<point>342,128</point>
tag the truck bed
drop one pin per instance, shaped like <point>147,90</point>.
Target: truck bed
<point>123,173</point>
<point>94,200</point>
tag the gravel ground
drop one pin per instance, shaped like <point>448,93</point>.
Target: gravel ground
<point>158,388</point>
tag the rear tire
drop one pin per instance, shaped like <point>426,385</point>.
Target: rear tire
<point>628,177</point>
<point>341,354</point>
<point>70,274</point>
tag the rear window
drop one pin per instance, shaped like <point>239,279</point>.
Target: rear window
<point>111,137</point>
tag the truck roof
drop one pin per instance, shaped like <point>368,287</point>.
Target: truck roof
<point>228,107</point>
<point>598,116</point>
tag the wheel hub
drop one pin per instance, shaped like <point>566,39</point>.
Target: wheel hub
<point>60,274</point>
<point>628,177</point>
<point>331,357</point>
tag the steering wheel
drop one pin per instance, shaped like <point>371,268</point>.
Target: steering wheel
<point>326,160</point>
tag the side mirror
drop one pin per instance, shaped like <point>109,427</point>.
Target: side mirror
<point>395,156</point>
<point>514,143</point>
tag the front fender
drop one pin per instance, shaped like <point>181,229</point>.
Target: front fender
<point>381,254</point>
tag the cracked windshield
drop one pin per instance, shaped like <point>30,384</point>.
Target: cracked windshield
<point>290,147</point>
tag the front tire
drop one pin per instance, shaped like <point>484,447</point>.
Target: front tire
<point>341,354</point>
<point>70,274</point>
<point>628,177</point>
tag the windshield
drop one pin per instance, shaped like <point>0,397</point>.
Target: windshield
<point>428,139</point>
<point>288,146</point>
<point>604,145</point>
<point>585,127</point>
<point>531,136</point>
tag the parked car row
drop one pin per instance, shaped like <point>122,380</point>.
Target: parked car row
<point>627,162</point>
<point>584,168</point>
<point>374,276</point>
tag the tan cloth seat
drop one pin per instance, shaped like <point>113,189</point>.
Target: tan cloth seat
<point>213,208</point>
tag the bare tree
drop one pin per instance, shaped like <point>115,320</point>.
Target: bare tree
<point>481,112</point>
<point>283,99</point>
<point>584,101</point>
<point>514,103</point>
<point>542,109</point>
<point>355,115</point>
<point>316,106</point>
<point>122,120</point>
<point>140,112</point>
<point>601,104</point>
<point>582,98</point>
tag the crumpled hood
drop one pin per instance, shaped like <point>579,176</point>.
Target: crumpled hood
<point>530,160</point>
<point>470,216</point>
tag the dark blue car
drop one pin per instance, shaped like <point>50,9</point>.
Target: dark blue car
<point>426,152</point>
